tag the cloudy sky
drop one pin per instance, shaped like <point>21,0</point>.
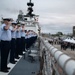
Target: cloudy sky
<point>55,15</point>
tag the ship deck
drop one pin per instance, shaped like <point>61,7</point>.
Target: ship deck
<point>24,66</point>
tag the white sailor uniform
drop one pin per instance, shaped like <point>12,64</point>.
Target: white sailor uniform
<point>18,43</point>
<point>22,41</point>
<point>13,46</point>
<point>5,46</point>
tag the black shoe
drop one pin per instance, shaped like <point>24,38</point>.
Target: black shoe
<point>12,62</point>
<point>21,54</point>
<point>8,68</point>
<point>5,71</point>
<point>25,50</point>
<point>15,61</point>
<point>17,57</point>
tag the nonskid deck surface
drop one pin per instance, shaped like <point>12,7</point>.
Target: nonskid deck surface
<point>24,66</point>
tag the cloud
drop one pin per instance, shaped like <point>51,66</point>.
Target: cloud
<point>54,14</point>
<point>54,8</point>
<point>53,28</point>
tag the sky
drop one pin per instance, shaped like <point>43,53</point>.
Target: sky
<point>54,15</point>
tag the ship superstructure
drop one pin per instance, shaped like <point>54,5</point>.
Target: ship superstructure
<point>30,19</point>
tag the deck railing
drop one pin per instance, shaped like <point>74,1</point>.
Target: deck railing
<point>55,62</point>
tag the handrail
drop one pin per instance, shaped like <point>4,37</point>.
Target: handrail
<point>66,63</point>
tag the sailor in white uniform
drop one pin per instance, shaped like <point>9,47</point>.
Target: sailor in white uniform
<point>13,43</point>
<point>33,37</point>
<point>22,38</point>
<point>29,36</point>
<point>18,41</point>
<point>0,37</point>
<point>29,39</point>
<point>5,43</point>
<point>26,39</point>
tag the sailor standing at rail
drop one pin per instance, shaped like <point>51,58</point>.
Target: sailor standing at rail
<point>33,37</point>
<point>13,43</point>
<point>22,38</point>
<point>18,41</point>
<point>26,40</point>
<point>5,43</point>
<point>26,37</point>
<point>30,38</point>
<point>0,37</point>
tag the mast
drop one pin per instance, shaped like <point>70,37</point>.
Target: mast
<point>30,1</point>
<point>30,9</point>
